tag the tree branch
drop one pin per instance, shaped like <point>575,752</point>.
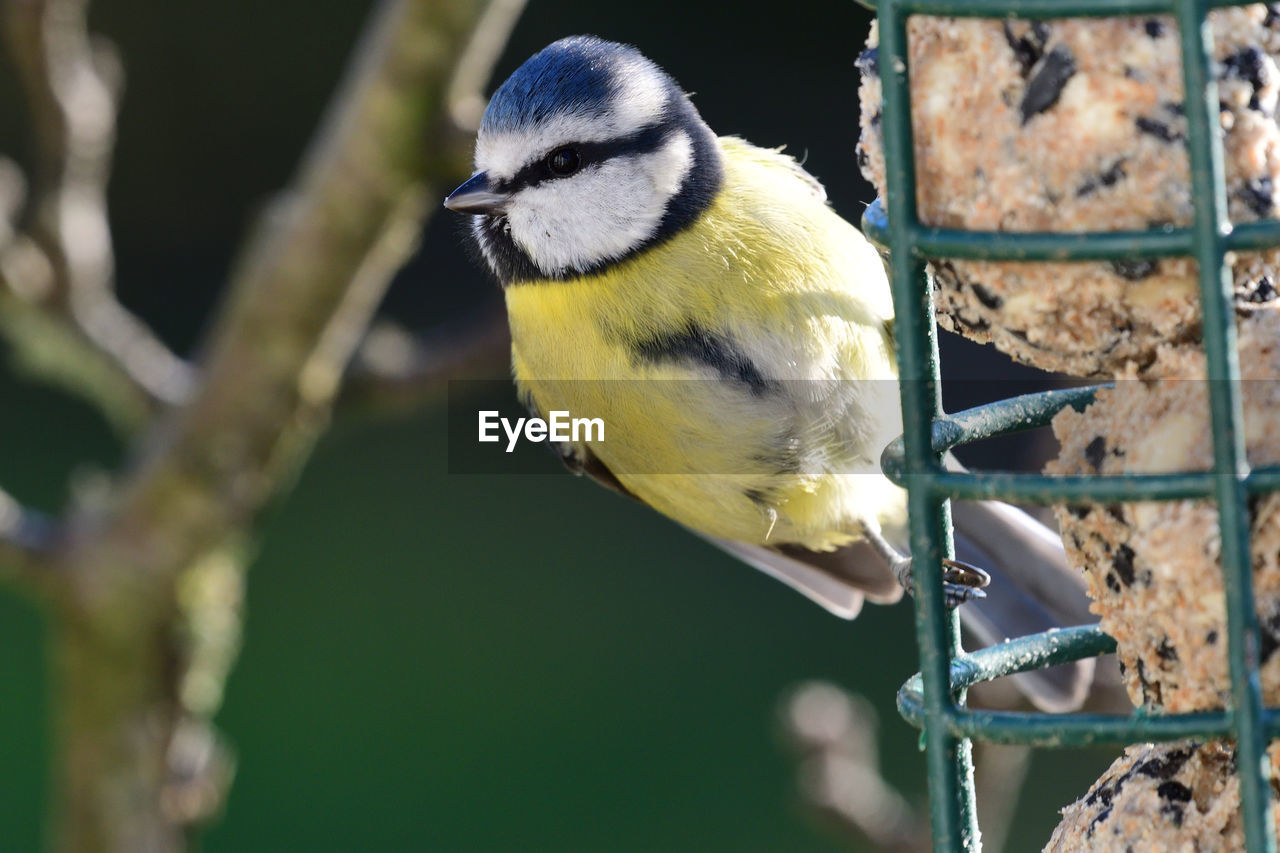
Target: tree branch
<point>302,294</point>
<point>152,623</point>
<point>393,368</point>
<point>57,301</point>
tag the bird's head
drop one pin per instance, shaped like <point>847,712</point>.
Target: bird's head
<point>587,154</point>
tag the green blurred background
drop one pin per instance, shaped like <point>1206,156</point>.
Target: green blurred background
<point>483,662</point>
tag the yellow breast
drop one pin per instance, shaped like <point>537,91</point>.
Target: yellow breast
<point>742,369</point>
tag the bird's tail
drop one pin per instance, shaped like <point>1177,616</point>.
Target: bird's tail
<point>1032,590</point>
<point>1032,587</point>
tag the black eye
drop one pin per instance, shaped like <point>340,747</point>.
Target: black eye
<point>564,162</point>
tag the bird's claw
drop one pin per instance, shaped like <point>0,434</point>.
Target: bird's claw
<point>966,575</point>
<point>961,582</point>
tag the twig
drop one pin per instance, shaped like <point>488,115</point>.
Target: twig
<point>26,540</point>
<point>395,369</point>
<point>60,264</point>
<point>835,733</point>
<point>465,96</point>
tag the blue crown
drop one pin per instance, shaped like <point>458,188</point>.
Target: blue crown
<point>577,75</point>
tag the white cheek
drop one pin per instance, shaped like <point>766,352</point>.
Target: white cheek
<point>572,223</point>
<point>671,164</point>
<point>602,213</point>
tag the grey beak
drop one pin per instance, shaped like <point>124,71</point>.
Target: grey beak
<point>477,196</point>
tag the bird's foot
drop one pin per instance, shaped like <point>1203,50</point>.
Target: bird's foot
<point>961,582</point>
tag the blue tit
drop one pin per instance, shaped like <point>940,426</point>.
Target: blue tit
<point>700,296</point>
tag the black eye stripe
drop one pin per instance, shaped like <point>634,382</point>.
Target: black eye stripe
<point>643,141</point>
<point>699,188</point>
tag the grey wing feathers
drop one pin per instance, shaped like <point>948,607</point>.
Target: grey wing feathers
<point>1030,553</point>
<point>836,596</point>
<point>857,564</point>
<point>837,580</point>
<point>1032,590</point>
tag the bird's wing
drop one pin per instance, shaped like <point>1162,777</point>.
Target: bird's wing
<point>835,594</point>
<point>990,533</point>
<point>1033,589</point>
<point>837,580</point>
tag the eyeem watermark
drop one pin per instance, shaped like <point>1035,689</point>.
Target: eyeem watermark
<point>560,427</point>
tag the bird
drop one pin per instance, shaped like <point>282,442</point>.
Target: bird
<point>734,333</point>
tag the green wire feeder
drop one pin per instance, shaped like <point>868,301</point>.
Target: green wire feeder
<point>934,699</point>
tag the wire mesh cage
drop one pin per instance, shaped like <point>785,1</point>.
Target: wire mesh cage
<point>934,699</point>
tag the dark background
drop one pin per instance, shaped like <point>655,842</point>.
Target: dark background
<point>468,662</point>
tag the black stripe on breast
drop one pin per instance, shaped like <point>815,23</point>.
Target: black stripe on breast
<point>700,346</point>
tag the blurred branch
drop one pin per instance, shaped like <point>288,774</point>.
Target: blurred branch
<point>26,540</point>
<point>836,734</point>
<point>395,369</point>
<point>152,620</point>
<point>57,302</point>
<point>303,292</point>
<point>465,96</point>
